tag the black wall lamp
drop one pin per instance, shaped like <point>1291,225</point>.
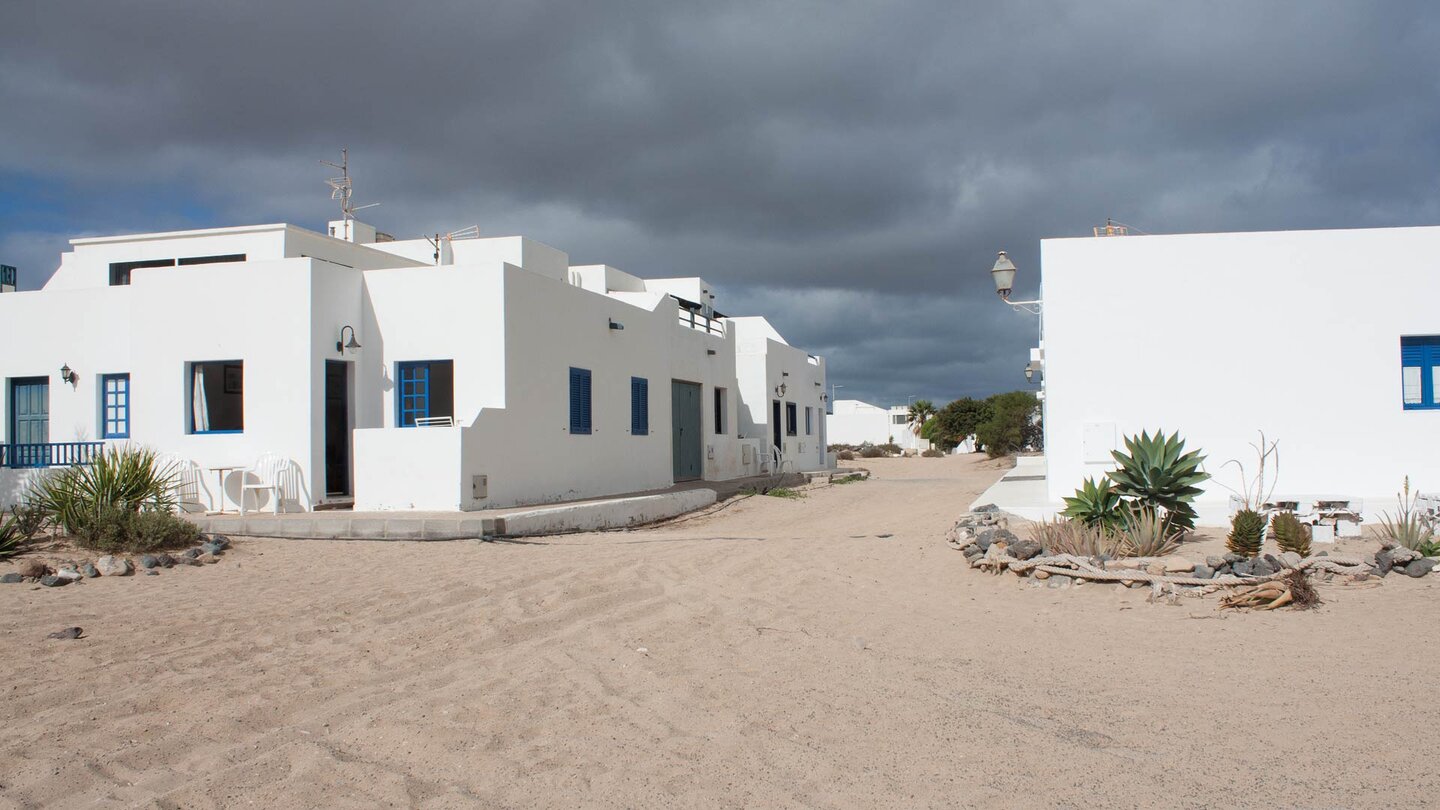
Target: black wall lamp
<point>67,375</point>
<point>341,345</point>
<point>616,325</point>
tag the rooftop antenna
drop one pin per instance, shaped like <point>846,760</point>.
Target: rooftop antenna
<point>341,189</point>
<point>472,232</point>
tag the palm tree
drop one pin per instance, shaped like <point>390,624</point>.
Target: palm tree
<point>920,412</point>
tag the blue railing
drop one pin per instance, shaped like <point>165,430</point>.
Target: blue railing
<point>57,454</point>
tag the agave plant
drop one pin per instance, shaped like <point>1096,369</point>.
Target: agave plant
<point>1159,474</point>
<point>1095,503</point>
<point>127,477</point>
<point>1408,526</point>
<point>1060,536</point>
<point>1147,532</point>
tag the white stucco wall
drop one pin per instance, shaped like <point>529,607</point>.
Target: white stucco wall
<point>856,422</point>
<point>510,315</point>
<point>1221,335</point>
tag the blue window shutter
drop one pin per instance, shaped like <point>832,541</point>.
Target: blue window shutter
<point>639,406</point>
<point>579,400</point>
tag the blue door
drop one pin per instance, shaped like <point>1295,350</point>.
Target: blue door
<point>29,419</point>
<point>685,428</point>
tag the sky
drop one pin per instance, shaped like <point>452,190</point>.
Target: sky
<point>847,169</point>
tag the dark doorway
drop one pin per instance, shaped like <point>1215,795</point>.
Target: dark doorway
<point>337,428</point>
<point>775,425</point>
<point>685,422</point>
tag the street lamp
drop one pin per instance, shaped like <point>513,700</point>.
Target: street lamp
<point>1004,275</point>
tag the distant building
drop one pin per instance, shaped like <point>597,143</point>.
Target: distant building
<point>855,422</point>
<point>402,374</point>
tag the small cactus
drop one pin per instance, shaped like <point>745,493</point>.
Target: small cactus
<point>1291,534</point>
<point>1247,533</point>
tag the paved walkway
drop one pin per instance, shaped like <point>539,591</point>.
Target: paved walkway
<point>593,514</point>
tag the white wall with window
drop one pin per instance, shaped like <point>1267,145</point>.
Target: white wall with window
<point>1326,340</point>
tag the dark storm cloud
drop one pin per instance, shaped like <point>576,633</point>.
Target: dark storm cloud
<point>847,168</point>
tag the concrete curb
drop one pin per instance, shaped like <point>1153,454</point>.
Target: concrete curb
<point>587,516</point>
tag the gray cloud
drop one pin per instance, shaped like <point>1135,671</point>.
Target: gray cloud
<point>846,168</point>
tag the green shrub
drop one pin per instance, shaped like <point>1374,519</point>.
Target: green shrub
<point>1012,424</point>
<point>1159,474</point>
<point>933,453</point>
<point>117,529</point>
<point>1095,503</point>
<point>889,449</point>
<point>871,451</point>
<point>1247,533</point>
<point>845,455</point>
<point>1291,534</point>
<point>29,519</point>
<point>130,478</point>
<point>1408,526</point>
<point>785,492</point>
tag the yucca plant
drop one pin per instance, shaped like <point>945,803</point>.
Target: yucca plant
<point>1147,532</point>
<point>1409,526</point>
<point>129,477</point>
<point>1247,533</point>
<point>1061,536</point>
<point>11,540</point>
<point>1159,474</point>
<point>1095,504</point>
<point>1291,534</point>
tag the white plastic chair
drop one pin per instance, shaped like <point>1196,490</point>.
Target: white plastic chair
<point>269,473</point>
<point>186,482</point>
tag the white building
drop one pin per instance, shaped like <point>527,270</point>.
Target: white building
<point>1328,341</point>
<point>855,422</point>
<point>531,380</point>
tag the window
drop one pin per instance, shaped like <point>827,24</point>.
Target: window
<point>899,419</point>
<point>228,257</point>
<point>580,401</point>
<point>115,406</point>
<point>120,271</point>
<point>217,396</point>
<point>639,406</point>
<point>719,411</point>
<point>809,421</point>
<point>1419,355</point>
<point>425,390</point>
<point>790,419</point>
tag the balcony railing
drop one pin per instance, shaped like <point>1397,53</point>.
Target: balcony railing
<point>55,454</point>
<point>695,320</point>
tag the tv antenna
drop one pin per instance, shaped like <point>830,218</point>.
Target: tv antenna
<point>342,187</point>
<point>472,232</point>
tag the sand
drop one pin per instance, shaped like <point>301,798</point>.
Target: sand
<point>829,651</point>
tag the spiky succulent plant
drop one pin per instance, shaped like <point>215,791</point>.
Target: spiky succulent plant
<point>1095,504</point>
<point>1247,533</point>
<point>1291,534</point>
<point>1158,473</point>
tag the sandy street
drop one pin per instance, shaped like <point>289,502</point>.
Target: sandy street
<point>829,651</point>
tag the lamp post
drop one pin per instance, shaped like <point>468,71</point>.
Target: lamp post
<point>1003,274</point>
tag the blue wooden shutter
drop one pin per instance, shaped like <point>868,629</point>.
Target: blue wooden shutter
<point>639,406</point>
<point>1418,357</point>
<point>580,400</point>
<point>413,392</point>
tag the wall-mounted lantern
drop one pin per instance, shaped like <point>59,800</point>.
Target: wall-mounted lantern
<point>68,375</point>
<point>780,390</point>
<point>341,345</point>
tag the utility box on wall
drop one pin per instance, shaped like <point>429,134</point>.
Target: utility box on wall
<point>479,486</point>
